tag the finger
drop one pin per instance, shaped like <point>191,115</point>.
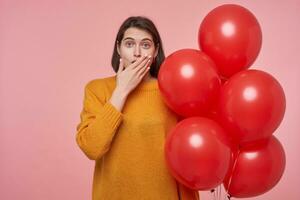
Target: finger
<point>144,63</point>
<point>138,61</point>
<point>143,72</point>
<point>140,68</point>
<point>121,66</point>
<point>144,69</point>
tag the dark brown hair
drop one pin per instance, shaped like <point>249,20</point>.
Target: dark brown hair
<point>145,24</point>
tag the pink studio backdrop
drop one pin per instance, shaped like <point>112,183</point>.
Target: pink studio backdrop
<point>50,49</point>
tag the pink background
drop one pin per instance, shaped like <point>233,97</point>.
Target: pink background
<point>50,49</point>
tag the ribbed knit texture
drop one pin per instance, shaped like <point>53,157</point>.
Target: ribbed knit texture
<point>128,146</point>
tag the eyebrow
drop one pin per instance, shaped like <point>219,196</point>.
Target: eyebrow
<point>130,38</point>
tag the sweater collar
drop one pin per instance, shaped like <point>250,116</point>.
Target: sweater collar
<point>148,85</point>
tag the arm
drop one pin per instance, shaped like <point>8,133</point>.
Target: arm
<point>99,123</point>
<point>118,99</point>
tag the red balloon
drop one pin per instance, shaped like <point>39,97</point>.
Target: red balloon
<point>213,112</point>
<point>258,168</point>
<point>197,153</point>
<point>189,82</point>
<point>230,35</point>
<point>251,106</point>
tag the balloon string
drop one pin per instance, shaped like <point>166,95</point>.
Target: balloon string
<point>220,190</point>
<point>227,197</point>
<point>215,197</point>
<point>213,194</point>
<point>233,168</point>
<point>216,193</point>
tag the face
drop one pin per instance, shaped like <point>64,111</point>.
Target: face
<point>136,43</point>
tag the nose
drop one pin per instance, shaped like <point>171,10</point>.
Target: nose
<point>137,51</point>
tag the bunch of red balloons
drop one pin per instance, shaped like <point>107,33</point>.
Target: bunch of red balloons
<point>229,112</point>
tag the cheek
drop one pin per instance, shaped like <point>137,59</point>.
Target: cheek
<point>148,52</point>
<point>126,55</point>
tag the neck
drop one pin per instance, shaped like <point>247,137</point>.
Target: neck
<point>148,77</point>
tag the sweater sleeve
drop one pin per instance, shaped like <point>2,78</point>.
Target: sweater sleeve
<point>99,123</point>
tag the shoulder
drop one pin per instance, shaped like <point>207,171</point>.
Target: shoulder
<point>101,88</point>
<point>100,83</point>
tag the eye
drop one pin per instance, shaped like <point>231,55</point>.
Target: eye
<point>146,45</point>
<point>129,44</point>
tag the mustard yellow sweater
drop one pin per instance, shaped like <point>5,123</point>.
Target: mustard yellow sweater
<point>128,146</point>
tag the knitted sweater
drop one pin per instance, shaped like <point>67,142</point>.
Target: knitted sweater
<point>128,146</point>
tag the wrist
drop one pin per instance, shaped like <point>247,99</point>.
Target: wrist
<point>120,93</point>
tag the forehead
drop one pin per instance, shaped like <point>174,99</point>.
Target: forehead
<point>137,34</point>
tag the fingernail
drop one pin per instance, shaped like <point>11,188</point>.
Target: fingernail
<point>148,68</point>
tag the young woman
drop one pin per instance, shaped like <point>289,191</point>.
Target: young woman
<point>124,122</point>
